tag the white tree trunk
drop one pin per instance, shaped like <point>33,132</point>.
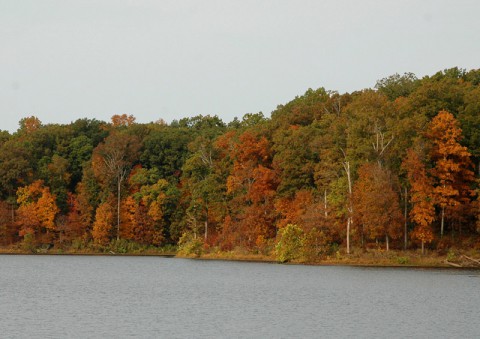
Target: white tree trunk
<point>119,184</point>
<point>346,167</point>
<point>348,235</point>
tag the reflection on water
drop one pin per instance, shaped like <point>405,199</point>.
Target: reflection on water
<point>153,297</point>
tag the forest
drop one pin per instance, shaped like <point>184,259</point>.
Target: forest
<point>394,167</point>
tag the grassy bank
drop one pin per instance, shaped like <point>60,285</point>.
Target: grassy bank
<point>373,258</point>
<point>358,257</point>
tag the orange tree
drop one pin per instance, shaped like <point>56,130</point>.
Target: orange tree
<point>452,171</point>
<point>423,210</point>
<point>376,204</point>
<point>37,210</point>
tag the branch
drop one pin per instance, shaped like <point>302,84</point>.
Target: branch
<point>475,261</point>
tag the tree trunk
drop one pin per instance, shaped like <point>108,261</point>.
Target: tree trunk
<point>119,184</point>
<point>363,236</point>
<point>348,235</point>
<point>206,224</point>
<point>387,243</point>
<point>206,230</point>
<point>13,213</point>
<point>405,244</point>
<point>346,166</point>
<point>325,204</point>
<point>442,223</point>
<point>423,247</point>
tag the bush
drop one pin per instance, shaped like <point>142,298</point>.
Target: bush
<point>189,245</point>
<point>289,244</point>
<point>315,244</point>
<point>28,243</point>
<point>123,246</point>
<point>403,260</point>
<point>451,255</point>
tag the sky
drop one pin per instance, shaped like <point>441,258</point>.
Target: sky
<point>62,60</point>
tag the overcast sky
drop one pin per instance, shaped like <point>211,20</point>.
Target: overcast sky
<point>61,60</point>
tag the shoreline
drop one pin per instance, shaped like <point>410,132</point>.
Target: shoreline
<point>426,263</point>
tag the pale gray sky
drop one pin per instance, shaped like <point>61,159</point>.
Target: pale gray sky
<point>61,60</point>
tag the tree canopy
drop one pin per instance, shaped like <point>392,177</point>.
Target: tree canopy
<point>325,169</point>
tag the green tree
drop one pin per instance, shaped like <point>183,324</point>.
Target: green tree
<point>397,85</point>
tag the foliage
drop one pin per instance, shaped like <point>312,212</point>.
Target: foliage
<point>376,204</point>
<point>289,243</point>
<point>189,245</point>
<point>452,169</point>
<point>102,227</point>
<point>403,260</point>
<point>335,165</point>
<point>37,209</point>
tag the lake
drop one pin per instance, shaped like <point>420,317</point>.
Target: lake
<point>155,297</point>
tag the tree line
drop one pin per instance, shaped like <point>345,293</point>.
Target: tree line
<point>395,166</point>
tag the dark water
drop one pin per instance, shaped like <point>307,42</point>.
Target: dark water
<point>152,297</point>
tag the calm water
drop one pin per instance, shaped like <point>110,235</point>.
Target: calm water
<point>152,297</point>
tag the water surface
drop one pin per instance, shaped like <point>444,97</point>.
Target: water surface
<point>154,297</point>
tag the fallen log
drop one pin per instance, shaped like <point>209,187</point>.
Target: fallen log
<point>475,261</point>
<point>452,264</point>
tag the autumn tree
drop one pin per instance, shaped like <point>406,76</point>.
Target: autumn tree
<point>8,229</point>
<point>452,172</point>
<point>37,210</point>
<point>112,161</point>
<point>76,224</point>
<point>251,186</point>
<point>102,226</point>
<point>154,200</point>
<point>29,124</point>
<point>377,209</point>
<point>122,120</point>
<point>421,197</point>
<point>311,216</point>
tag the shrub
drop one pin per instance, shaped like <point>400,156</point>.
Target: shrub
<point>289,244</point>
<point>28,243</point>
<point>123,246</point>
<point>315,244</point>
<point>451,255</point>
<point>189,245</point>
